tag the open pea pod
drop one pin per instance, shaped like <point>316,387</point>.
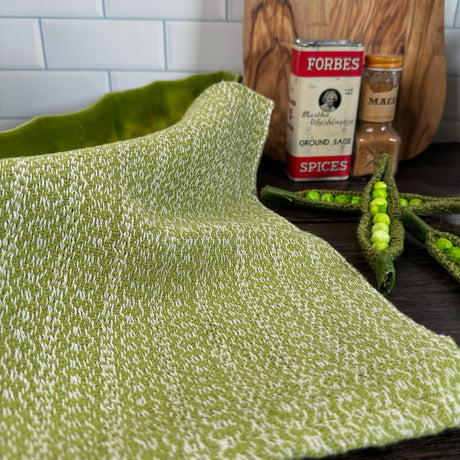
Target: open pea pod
<point>382,261</point>
<point>444,247</point>
<point>333,200</point>
<point>114,117</point>
<point>426,205</point>
<point>430,205</point>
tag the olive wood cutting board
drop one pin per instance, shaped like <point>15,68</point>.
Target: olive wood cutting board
<point>414,28</point>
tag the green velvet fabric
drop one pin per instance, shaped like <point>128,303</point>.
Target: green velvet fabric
<point>116,116</point>
<point>152,308</point>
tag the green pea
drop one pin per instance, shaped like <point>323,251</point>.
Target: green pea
<point>312,195</point>
<point>379,193</point>
<point>379,201</point>
<point>342,198</point>
<point>403,202</point>
<point>376,210</point>
<point>381,226</point>
<point>415,202</point>
<point>356,199</point>
<point>327,197</point>
<point>453,254</point>
<point>380,246</point>
<point>381,217</point>
<point>380,235</point>
<point>379,205</point>
<point>379,185</point>
<point>443,244</point>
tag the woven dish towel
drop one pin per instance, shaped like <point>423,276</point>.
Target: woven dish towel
<point>152,307</point>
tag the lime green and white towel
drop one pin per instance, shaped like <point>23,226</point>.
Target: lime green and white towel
<point>152,307</point>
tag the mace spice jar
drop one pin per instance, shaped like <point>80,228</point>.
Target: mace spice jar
<point>375,134</point>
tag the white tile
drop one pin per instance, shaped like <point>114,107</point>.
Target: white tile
<point>235,10</point>
<point>51,8</point>
<point>452,39</point>
<point>171,9</point>
<point>11,123</point>
<point>121,81</point>
<point>31,93</point>
<point>21,46</point>
<point>450,7</point>
<point>448,131</point>
<point>103,44</point>
<point>452,104</point>
<point>457,17</point>
<point>205,46</point>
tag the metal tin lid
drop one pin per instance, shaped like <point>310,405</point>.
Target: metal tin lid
<point>383,62</point>
<point>307,43</point>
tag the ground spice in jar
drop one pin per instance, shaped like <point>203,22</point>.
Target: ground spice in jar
<point>375,134</point>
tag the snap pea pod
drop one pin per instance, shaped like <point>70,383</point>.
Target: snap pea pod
<point>382,261</point>
<point>334,200</point>
<point>429,205</point>
<point>434,241</point>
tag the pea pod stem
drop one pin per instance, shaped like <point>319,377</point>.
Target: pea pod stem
<point>274,193</point>
<point>385,272</point>
<point>414,225</point>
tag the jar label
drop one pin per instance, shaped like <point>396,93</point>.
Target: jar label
<point>377,106</point>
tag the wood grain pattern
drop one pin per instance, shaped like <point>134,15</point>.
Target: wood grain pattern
<point>424,82</point>
<point>381,25</point>
<point>269,28</point>
<point>414,28</point>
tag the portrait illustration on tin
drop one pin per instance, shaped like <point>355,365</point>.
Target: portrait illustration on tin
<point>329,100</point>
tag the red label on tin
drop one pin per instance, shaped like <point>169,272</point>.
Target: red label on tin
<point>326,63</point>
<point>317,167</point>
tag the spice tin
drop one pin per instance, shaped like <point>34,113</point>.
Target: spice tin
<point>323,100</point>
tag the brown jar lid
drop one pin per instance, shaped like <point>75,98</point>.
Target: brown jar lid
<point>376,61</point>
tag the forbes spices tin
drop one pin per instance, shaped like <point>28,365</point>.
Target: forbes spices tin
<point>323,100</point>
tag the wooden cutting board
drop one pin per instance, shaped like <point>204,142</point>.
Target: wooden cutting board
<point>414,28</point>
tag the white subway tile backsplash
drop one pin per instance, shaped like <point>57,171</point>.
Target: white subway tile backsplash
<point>58,56</point>
<point>26,94</point>
<point>457,17</point>
<point>450,7</point>
<point>51,8</point>
<point>121,81</point>
<point>20,44</point>
<point>235,10</point>
<point>205,46</point>
<point>171,9</point>
<point>11,123</point>
<point>103,44</point>
<point>452,105</point>
<point>452,39</point>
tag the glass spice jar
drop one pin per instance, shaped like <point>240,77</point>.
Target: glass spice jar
<point>375,134</point>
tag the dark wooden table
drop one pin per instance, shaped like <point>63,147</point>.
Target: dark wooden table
<point>424,291</point>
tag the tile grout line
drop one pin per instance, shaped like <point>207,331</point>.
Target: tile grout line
<point>456,16</point>
<point>42,40</point>
<point>165,51</point>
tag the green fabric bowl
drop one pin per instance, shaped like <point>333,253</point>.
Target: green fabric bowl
<point>115,116</point>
